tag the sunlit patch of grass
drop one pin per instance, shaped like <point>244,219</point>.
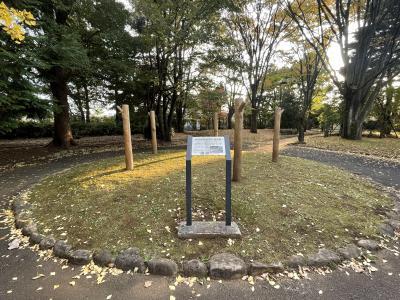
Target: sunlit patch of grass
<point>387,147</point>
<point>109,176</point>
<point>284,208</point>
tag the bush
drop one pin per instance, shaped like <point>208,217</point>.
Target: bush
<point>29,129</point>
<point>32,129</point>
<point>289,131</point>
<point>108,127</point>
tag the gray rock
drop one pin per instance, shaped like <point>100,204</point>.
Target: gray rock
<point>61,249</point>
<point>35,238</point>
<point>257,268</point>
<point>395,224</point>
<point>194,268</point>
<point>103,258</point>
<point>162,266</point>
<point>393,215</point>
<point>21,222</point>
<point>397,206</point>
<point>20,205</point>
<point>368,244</point>
<point>129,260</point>
<point>386,229</point>
<point>350,251</point>
<point>295,261</point>
<point>323,257</point>
<point>29,229</point>
<point>227,266</point>
<point>47,243</point>
<point>79,257</point>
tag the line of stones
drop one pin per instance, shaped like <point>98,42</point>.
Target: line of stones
<point>220,266</point>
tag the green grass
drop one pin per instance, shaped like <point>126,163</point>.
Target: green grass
<point>284,208</point>
<point>387,147</point>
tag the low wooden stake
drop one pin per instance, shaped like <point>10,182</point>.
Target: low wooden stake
<point>237,143</point>
<point>216,124</point>
<point>126,125</point>
<point>153,131</point>
<point>277,134</point>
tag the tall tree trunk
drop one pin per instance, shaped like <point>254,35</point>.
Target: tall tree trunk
<point>253,120</point>
<point>254,109</point>
<point>179,118</point>
<point>79,105</point>
<point>166,129</point>
<point>352,120</point>
<point>301,130</point>
<point>386,111</point>
<point>231,111</point>
<point>159,113</point>
<point>87,100</point>
<point>62,129</point>
<point>118,116</point>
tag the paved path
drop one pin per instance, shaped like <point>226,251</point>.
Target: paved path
<point>383,171</point>
<point>24,264</point>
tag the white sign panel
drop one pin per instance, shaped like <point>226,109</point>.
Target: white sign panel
<point>208,146</point>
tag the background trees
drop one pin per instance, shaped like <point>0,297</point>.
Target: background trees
<point>368,35</point>
<point>173,56</point>
<point>257,27</point>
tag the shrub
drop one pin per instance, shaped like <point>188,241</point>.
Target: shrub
<point>34,129</point>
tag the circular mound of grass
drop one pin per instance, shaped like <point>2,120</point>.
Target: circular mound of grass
<point>294,206</point>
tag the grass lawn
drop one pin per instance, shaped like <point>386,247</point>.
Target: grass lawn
<point>282,209</point>
<point>387,147</point>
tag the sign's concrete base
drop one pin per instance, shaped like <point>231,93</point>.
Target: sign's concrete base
<point>208,230</point>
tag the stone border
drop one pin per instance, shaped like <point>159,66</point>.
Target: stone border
<point>220,266</point>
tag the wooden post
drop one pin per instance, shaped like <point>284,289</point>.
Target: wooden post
<point>277,133</point>
<point>127,136</point>
<point>216,124</point>
<point>237,146</point>
<point>153,131</point>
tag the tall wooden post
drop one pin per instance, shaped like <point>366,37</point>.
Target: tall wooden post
<point>153,131</point>
<point>216,124</point>
<point>277,134</point>
<point>127,136</point>
<point>237,146</point>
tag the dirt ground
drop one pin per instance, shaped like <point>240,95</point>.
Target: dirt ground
<point>19,152</point>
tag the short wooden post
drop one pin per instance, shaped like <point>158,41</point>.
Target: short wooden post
<point>216,124</point>
<point>153,131</point>
<point>126,125</point>
<point>237,143</point>
<point>277,134</point>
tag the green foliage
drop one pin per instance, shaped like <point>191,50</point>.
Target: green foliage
<point>329,117</point>
<point>209,102</point>
<point>35,129</point>
<point>18,93</point>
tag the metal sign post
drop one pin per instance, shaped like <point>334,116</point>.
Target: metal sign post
<point>201,146</point>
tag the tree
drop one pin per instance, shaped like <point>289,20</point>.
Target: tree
<point>387,109</point>
<point>18,92</point>
<point>173,32</point>
<point>12,22</point>
<point>329,117</point>
<point>368,34</point>
<point>58,54</point>
<point>257,27</point>
<point>111,50</point>
<point>308,69</point>
<point>210,102</point>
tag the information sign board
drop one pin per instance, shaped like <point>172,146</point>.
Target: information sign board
<point>208,146</point>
